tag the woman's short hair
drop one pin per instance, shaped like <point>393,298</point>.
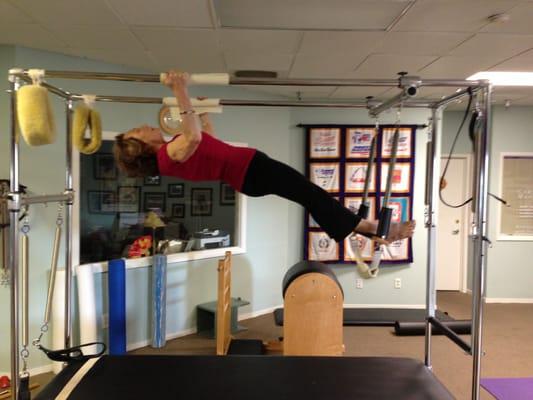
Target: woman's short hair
<point>134,157</point>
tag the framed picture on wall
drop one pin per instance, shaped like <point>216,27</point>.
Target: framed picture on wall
<point>104,166</point>
<point>155,201</point>
<point>201,202</point>
<point>227,195</point>
<point>178,210</point>
<point>129,199</point>
<point>102,201</point>
<point>152,180</point>
<point>176,190</point>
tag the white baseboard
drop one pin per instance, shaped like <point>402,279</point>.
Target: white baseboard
<point>169,336</point>
<point>258,313</point>
<point>409,306</point>
<point>33,371</point>
<point>468,291</point>
<point>508,301</point>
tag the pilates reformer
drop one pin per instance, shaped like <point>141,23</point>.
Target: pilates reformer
<point>243,377</point>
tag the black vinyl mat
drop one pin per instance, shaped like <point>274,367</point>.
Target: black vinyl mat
<point>377,316</point>
<point>254,377</point>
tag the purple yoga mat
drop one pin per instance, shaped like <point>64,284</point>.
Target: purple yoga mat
<point>509,388</point>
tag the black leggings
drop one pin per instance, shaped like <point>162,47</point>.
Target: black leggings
<point>267,176</point>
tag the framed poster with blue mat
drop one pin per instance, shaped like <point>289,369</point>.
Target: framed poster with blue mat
<point>336,160</point>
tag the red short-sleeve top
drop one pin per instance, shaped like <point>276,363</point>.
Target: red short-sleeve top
<point>212,160</point>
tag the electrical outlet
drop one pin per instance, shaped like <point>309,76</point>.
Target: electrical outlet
<point>398,283</point>
<point>359,283</point>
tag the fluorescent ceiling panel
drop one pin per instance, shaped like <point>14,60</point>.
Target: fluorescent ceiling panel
<point>505,78</point>
<point>309,14</point>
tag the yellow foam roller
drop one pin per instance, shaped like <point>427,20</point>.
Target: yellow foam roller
<point>35,117</point>
<point>85,116</point>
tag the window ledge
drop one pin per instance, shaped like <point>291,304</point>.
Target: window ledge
<point>133,263</point>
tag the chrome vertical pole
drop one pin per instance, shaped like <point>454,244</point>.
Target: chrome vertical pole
<point>480,233</point>
<point>14,211</point>
<point>68,226</point>
<point>432,207</point>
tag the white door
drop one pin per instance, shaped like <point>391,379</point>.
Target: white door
<point>451,231</point>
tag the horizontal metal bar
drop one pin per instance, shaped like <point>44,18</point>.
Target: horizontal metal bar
<point>155,78</point>
<point>51,88</point>
<point>313,82</point>
<point>250,103</point>
<point>400,97</point>
<point>123,99</point>
<point>450,334</point>
<point>47,198</point>
<point>455,96</point>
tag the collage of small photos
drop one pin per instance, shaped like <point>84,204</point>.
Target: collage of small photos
<point>337,159</point>
<point>155,193</point>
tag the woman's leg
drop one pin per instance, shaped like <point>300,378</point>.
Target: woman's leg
<point>268,176</point>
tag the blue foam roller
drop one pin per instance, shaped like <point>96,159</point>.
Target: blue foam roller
<point>159,300</point>
<point>117,306</point>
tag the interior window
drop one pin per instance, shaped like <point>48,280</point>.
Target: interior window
<point>125,217</point>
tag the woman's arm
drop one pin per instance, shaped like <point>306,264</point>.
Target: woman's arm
<point>186,144</point>
<point>207,126</point>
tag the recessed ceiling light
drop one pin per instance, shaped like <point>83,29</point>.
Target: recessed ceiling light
<point>505,78</point>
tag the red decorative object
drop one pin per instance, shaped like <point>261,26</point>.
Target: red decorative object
<point>141,247</point>
<point>4,382</point>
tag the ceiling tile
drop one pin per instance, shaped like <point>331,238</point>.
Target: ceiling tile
<point>359,93</point>
<point>198,62</point>
<point>520,18</point>
<point>420,43</point>
<point>309,14</point>
<point>295,92</point>
<point>131,58</point>
<point>455,67</point>
<point>319,66</point>
<point>451,15</point>
<point>268,41</point>
<point>522,63</point>
<point>30,35</point>
<point>525,101</point>
<point>387,66</point>
<point>494,48</point>
<point>258,61</point>
<point>178,42</point>
<point>84,37</point>
<point>336,43</point>
<point>9,14</point>
<point>194,50</point>
<point>61,12</point>
<point>175,13</point>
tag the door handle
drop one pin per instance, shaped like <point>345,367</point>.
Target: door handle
<point>455,232</point>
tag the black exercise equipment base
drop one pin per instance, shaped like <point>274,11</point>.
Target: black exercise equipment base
<point>251,377</point>
<point>376,316</point>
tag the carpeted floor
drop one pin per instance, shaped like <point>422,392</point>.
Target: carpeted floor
<point>508,343</point>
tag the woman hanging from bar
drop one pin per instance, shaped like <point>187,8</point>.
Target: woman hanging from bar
<point>196,155</point>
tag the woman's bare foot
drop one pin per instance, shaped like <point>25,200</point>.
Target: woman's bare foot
<point>401,230</point>
<point>397,231</point>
